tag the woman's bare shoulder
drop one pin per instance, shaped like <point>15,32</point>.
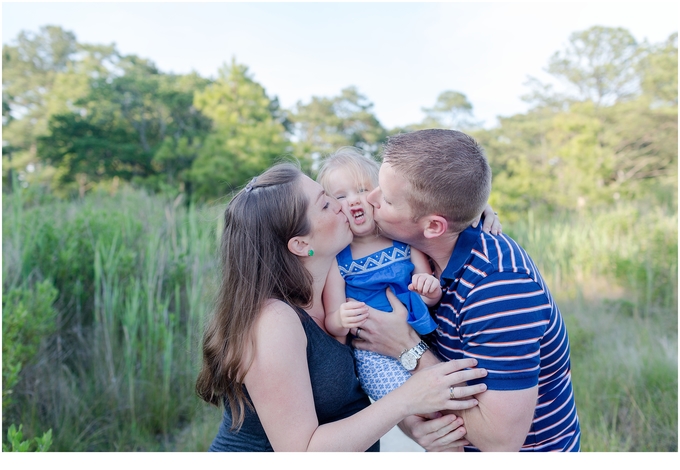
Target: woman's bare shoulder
<point>278,333</point>
<point>279,315</point>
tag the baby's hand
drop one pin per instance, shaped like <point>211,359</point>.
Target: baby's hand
<point>353,314</point>
<point>426,285</point>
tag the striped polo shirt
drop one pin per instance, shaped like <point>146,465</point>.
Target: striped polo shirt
<point>497,309</point>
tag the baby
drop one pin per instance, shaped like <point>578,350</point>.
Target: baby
<point>369,265</point>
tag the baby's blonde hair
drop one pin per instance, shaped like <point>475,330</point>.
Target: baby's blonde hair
<point>360,166</point>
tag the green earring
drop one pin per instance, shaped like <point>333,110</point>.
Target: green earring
<point>310,252</point>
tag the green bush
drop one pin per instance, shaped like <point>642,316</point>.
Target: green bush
<point>16,442</point>
<point>27,318</point>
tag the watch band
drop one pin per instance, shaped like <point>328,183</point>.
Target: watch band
<point>420,348</point>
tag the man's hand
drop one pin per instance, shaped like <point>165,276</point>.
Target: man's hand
<point>436,433</point>
<point>387,333</point>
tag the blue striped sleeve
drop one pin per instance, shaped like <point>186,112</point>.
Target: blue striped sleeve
<point>504,318</point>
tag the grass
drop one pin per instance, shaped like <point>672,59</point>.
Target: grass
<point>135,276</point>
<point>614,275</point>
<point>115,359</point>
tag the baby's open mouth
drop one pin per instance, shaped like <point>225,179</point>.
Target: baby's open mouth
<point>358,214</point>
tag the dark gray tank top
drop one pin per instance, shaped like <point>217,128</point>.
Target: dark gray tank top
<point>336,389</point>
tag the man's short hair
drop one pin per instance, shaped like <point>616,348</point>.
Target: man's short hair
<point>448,173</point>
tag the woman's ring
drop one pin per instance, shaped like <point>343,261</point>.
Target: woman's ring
<point>358,330</point>
<point>451,397</point>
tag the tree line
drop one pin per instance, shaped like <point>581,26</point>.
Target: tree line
<point>77,116</point>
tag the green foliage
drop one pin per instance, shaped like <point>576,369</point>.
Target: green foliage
<point>451,111</point>
<point>16,442</point>
<point>135,277</point>
<point>659,69</point>
<point>614,275</point>
<point>140,125</point>
<point>587,156</point>
<point>600,63</point>
<point>55,242</point>
<point>27,318</point>
<point>86,149</point>
<point>247,136</point>
<point>633,248</point>
<point>325,124</point>
<point>29,69</point>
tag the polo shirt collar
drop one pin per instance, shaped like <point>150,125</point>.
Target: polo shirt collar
<point>461,252</point>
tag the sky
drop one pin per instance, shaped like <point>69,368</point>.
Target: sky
<point>399,55</point>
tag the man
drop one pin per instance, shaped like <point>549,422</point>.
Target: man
<point>495,308</point>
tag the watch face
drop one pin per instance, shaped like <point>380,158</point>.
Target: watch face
<point>409,361</point>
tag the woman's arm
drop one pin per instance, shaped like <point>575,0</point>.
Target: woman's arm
<point>341,315</point>
<point>279,385</point>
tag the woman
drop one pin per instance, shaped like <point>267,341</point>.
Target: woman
<point>286,384</point>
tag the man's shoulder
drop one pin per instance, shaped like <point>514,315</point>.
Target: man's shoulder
<point>499,253</point>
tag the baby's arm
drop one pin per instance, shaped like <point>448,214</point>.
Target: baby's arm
<point>422,281</point>
<point>341,315</point>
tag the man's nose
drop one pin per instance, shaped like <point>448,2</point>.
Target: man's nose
<point>372,197</point>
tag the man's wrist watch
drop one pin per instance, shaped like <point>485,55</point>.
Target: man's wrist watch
<point>409,357</point>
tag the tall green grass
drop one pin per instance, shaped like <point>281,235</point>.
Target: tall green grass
<point>121,285</point>
<point>615,276</point>
<point>135,276</point>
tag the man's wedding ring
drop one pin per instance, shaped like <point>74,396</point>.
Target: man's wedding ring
<point>358,330</point>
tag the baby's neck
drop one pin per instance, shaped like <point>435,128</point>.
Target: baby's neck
<point>368,244</point>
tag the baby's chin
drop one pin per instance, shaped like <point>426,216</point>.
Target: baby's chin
<point>366,229</point>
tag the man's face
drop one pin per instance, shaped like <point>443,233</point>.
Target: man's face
<point>391,211</point>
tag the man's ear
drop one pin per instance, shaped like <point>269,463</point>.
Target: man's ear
<point>298,246</point>
<point>435,226</point>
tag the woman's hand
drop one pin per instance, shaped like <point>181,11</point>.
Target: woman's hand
<point>443,387</point>
<point>437,432</point>
<point>492,223</point>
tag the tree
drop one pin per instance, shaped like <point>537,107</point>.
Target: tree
<point>325,124</point>
<point>598,65</point>
<point>30,68</point>
<point>184,130</point>
<point>135,123</point>
<point>247,134</point>
<point>91,148</point>
<point>452,110</point>
<point>522,162</point>
<point>44,74</point>
<point>659,72</point>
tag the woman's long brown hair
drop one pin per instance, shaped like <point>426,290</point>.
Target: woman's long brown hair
<point>256,266</point>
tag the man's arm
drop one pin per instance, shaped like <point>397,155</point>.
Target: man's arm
<point>499,423</point>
